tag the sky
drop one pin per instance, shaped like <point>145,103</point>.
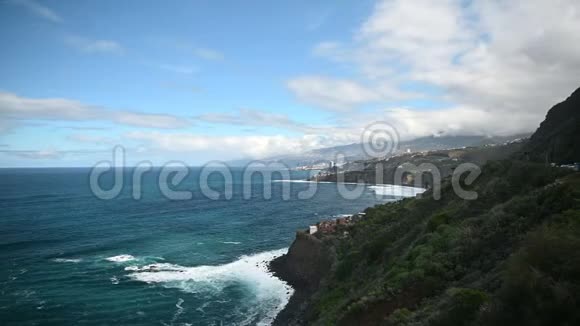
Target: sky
<point>196,81</point>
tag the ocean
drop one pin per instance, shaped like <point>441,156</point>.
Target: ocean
<point>70,258</point>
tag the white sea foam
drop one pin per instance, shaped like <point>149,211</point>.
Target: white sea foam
<point>342,215</point>
<point>67,260</point>
<point>302,181</point>
<point>179,310</point>
<point>269,294</point>
<point>120,258</point>
<point>380,189</point>
<point>231,242</point>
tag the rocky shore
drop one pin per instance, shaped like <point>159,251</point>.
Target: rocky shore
<point>308,260</point>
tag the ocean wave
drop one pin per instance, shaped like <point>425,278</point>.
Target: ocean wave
<point>120,258</point>
<point>303,181</point>
<point>67,260</point>
<point>231,242</point>
<point>342,215</point>
<point>179,310</point>
<point>268,294</point>
<point>380,189</point>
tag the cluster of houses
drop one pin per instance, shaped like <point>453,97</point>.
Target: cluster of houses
<point>332,226</point>
<point>575,166</point>
<point>316,166</point>
<point>322,175</point>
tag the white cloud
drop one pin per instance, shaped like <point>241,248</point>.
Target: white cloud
<point>208,54</point>
<point>316,19</point>
<point>409,124</point>
<point>333,94</point>
<point>38,9</point>
<point>163,121</point>
<point>47,154</point>
<point>257,118</point>
<point>334,50</point>
<point>7,126</point>
<point>180,69</point>
<point>16,107</point>
<point>501,64</point>
<point>455,121</point>
<point>95,46</point>
<point>91,139</point>
<point>44,154</point>
<point>82,128</point>
<point>232,147</point>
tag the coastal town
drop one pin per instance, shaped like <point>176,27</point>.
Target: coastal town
<point>333,226</point>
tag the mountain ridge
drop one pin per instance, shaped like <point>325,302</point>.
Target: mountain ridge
<point>355,151</point>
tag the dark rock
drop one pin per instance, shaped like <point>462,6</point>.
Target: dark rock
<point>307,262</point>
<point>557,140</point>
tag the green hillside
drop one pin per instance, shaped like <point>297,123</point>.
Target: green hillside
<point>510,257</point>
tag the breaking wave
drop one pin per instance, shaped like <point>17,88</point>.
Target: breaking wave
<point>265,294</point>
<point>120,258</point>
<point>67,260</point>
<point>302,181</point>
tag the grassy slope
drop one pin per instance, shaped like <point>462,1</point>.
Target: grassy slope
<point>510,257</point>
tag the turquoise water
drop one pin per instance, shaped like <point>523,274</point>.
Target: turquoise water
<point>68,257</point>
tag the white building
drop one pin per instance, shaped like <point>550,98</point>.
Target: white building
<point>313,229</point>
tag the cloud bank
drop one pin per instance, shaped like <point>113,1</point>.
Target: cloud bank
<point>500,64</point>
<point>14,107</point>
<point>38,9</point>
<point>493,67</point>
<point>94,46</point>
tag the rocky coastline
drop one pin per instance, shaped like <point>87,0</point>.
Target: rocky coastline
<point>308,260</point>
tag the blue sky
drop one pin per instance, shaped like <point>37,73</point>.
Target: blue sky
<point>201,80</point>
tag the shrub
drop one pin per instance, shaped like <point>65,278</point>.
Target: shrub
<point>460,307</point>
<point>542,281</point>
<point>400,317</point>
<point>436,221</point>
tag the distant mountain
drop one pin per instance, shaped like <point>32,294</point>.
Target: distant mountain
<point>354,152</point>
<point>557,140</point>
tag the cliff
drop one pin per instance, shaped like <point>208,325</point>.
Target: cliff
<point>557,140</point>
<point>308,260</point>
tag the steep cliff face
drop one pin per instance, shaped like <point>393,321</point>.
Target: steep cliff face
<point>557,140</point>
<point>308,260</point>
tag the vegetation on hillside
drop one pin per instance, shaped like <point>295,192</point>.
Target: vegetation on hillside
<point>510,257</point>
